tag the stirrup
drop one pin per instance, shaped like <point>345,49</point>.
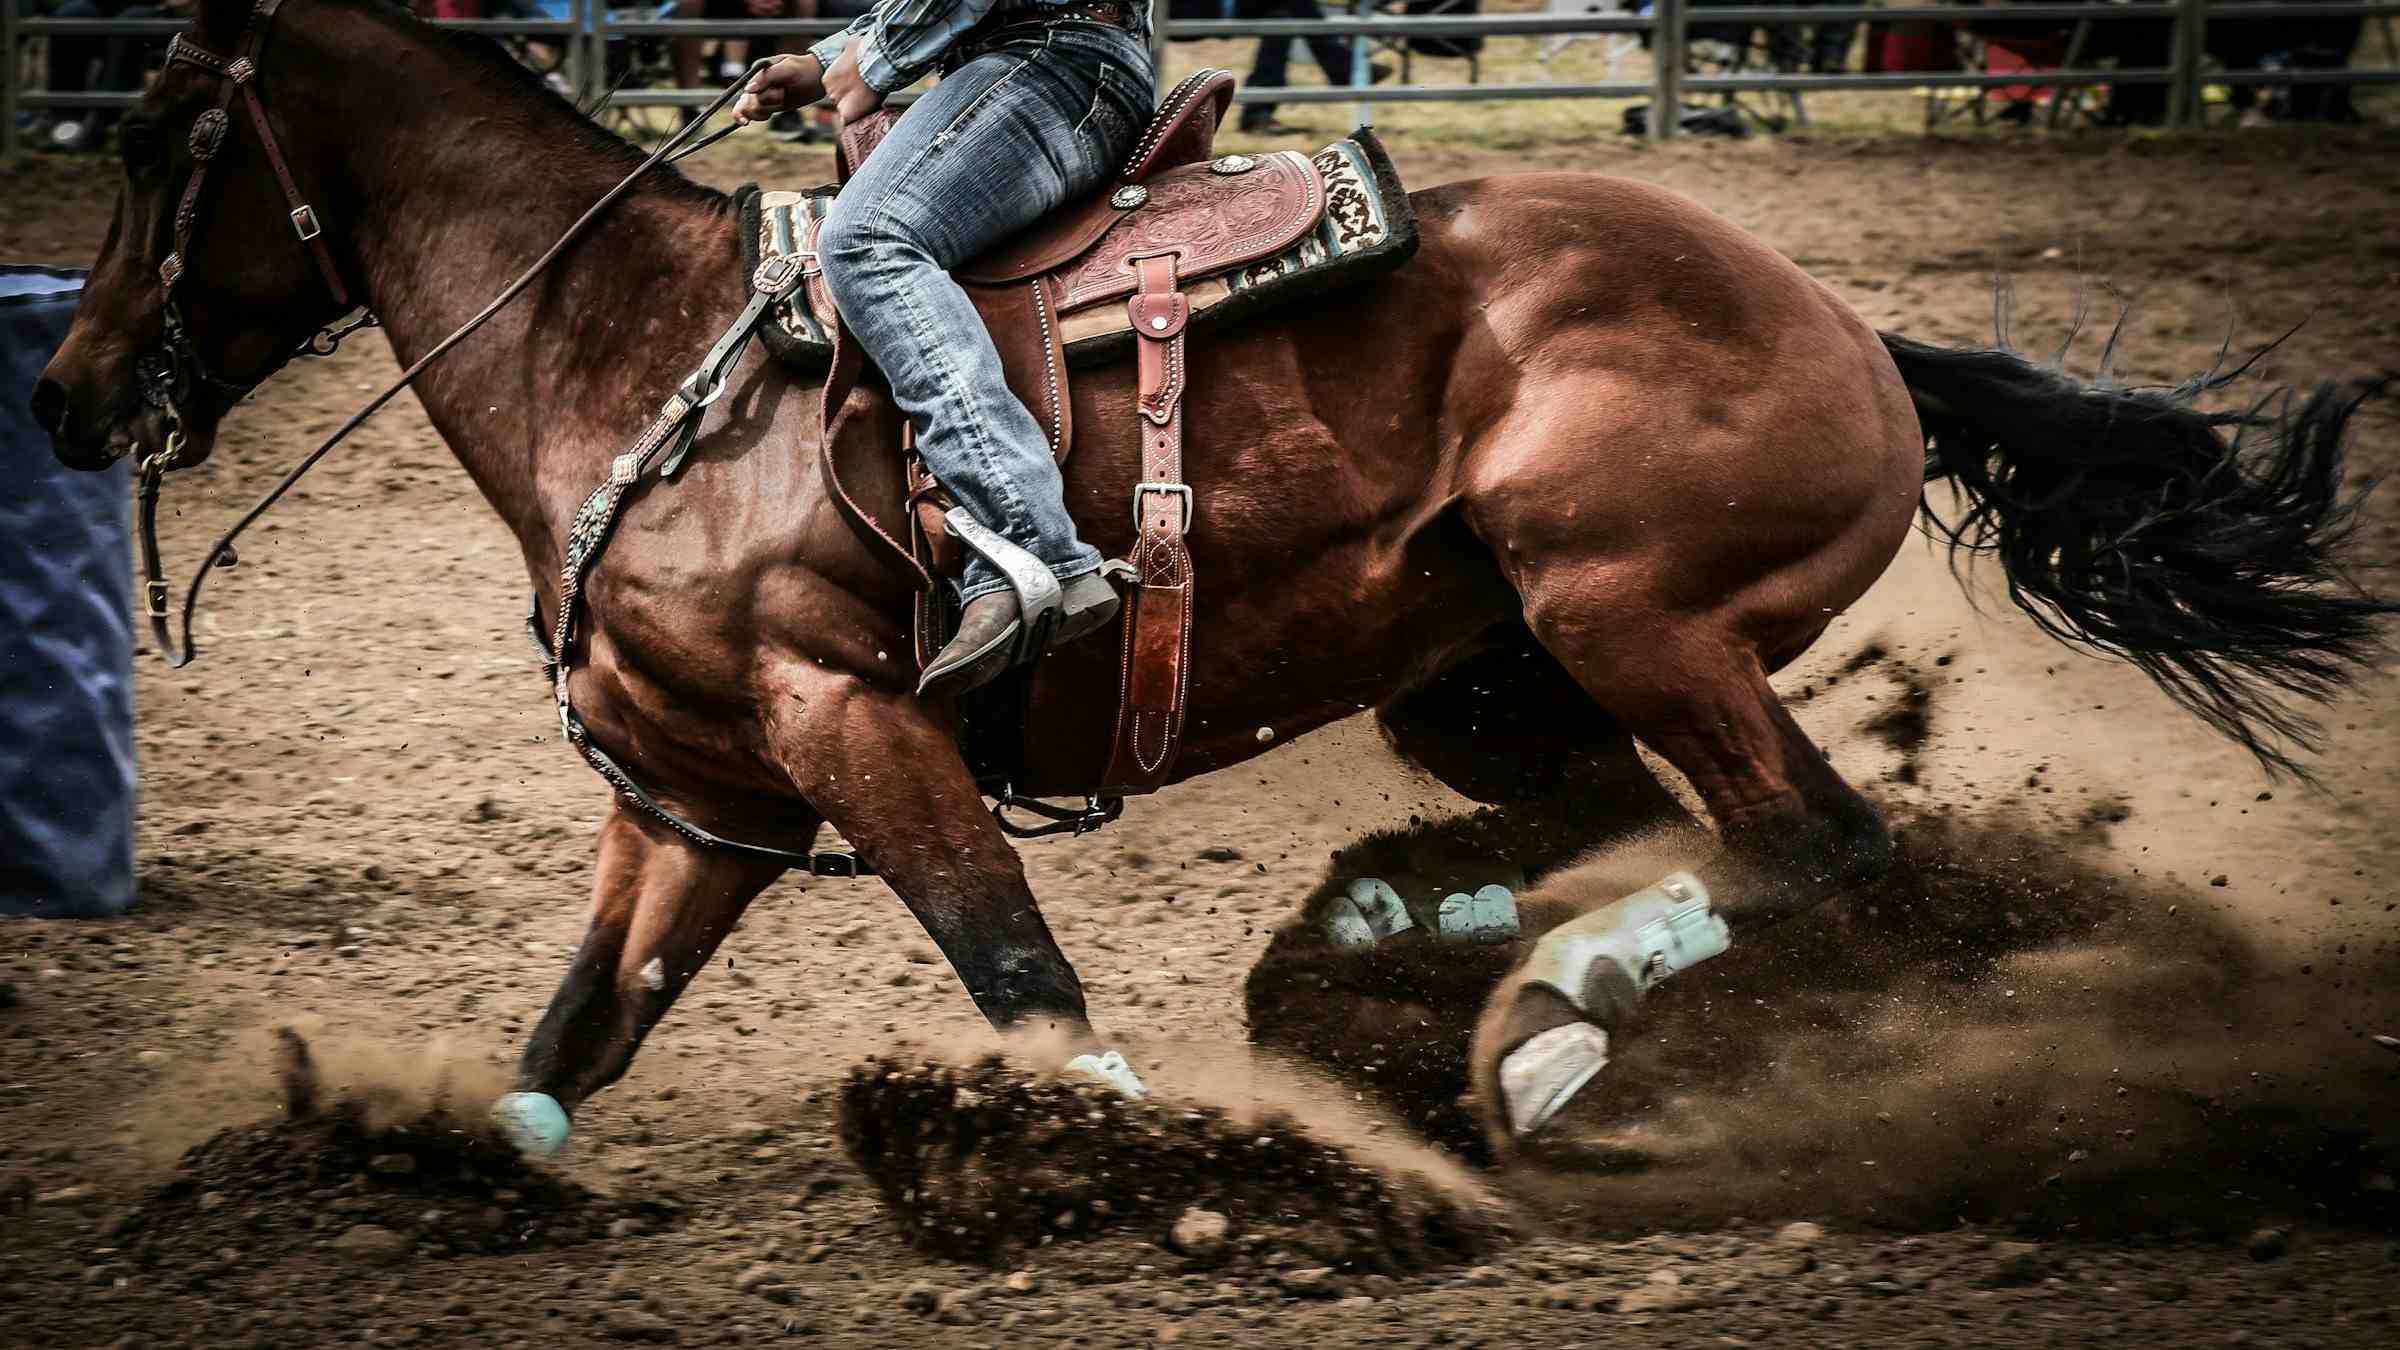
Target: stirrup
<point>1038,593</point>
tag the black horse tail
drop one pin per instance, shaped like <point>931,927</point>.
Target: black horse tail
<point>2203,547</point>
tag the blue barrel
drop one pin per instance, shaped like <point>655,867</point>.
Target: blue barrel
<point>67,778</point>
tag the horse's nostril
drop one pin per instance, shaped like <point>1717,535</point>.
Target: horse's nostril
<point>49,404</point>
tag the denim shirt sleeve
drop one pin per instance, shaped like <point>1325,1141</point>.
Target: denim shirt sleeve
<point>899,40</point>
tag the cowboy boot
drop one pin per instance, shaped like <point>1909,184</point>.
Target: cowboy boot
<point>991,634</point>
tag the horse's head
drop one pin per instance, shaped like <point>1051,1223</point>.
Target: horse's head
<point>220,261</point>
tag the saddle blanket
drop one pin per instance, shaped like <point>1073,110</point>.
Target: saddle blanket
<point>1367,227</point>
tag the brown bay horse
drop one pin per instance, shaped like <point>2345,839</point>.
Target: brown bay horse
<point>1585,471</point>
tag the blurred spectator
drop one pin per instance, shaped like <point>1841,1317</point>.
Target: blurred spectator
<point>2323,43</point>
<point>2240,43</point>
<point>734,55</point>
<point>82,65</point>
<point>1271,68</point>
<point>1822,47</point>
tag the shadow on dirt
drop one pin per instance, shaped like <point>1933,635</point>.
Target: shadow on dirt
<point>2003,1030</point>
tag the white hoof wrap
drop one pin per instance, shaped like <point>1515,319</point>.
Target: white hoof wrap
<point>1368,913</point>
<point>1649,935</point>
<point>533,1121</point>
<point>1539,1078</point>
<point>1489,915</point>
<point>1111,1071</point>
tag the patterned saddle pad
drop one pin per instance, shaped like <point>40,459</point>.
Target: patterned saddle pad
<point>1360,225</point>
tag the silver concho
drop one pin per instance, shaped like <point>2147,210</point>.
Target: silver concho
<point>1128,197</point>
<point>776,273</point>
<point>1232,164</point>
<point>208,133</point>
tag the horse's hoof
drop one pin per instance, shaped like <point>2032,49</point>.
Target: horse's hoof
<point>1369,912</point>
<point>1489,915</point>
<point>1539,1078</point>
<point>1111,1071</point>
<point>533,1121</point>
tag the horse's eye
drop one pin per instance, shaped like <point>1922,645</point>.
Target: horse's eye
<point>137,145</point>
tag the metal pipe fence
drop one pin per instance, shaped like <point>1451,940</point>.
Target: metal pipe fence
<point>582,31</point>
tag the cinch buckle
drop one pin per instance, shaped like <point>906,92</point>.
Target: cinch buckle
<point>1183,490</point>
<point>833,865</point>
<point>158,598</point>
<point>1095,812</point>
<point>304,221</point>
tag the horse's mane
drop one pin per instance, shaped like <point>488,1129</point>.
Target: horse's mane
<point>539,99</point>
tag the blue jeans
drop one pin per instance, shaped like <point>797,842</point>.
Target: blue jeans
<point>1038,117</point>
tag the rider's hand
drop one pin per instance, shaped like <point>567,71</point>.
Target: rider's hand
<point>787,82</point>
<point>852,96</point>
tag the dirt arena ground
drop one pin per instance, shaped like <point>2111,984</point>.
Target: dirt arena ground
<point>2106,1074</point>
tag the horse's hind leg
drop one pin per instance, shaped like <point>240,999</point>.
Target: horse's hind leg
<point>1507,728</point>
<point>1792,833</point>
<point>660,906</point>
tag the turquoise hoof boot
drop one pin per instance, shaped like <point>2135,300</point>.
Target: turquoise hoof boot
<point>533,1121</point>
<point>1489,915</point>
<point>1110,1071</point>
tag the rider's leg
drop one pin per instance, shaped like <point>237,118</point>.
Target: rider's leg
<point>1015,132</point>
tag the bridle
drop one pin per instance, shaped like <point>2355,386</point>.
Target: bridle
<point>170,373</point>
<point>174,369</point>
<point>181,365</point>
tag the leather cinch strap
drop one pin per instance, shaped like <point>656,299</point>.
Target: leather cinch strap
<point>1158,622</point>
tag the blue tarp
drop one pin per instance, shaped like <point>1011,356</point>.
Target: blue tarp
<point>67,774</point>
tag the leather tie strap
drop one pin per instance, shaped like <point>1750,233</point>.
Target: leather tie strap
<point>303,215</point>
<point>1156,670</point>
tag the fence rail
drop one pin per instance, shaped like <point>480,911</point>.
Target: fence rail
<point>583,30</point>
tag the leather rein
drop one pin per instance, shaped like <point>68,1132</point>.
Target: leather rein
<point>171,372</point>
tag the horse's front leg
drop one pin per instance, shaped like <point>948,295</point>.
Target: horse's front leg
<point>660,906</point>
<point>879,766</point>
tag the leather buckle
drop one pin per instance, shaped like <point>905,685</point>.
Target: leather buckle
<point>1183,490</point>
<point>831,864</point>
<point>158,598</point>
<point>304,222</point>
<point>1095,812</point>
<point>778,273</point>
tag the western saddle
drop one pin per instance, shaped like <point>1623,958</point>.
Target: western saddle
<point>1177,226</point>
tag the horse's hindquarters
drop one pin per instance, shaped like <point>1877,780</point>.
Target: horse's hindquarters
<point>1703,439</point>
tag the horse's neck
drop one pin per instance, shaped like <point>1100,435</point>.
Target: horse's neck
<point>538,399</point>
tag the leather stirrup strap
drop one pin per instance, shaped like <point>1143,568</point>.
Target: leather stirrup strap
<point>833,422</point>
<point>1158,622</point>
